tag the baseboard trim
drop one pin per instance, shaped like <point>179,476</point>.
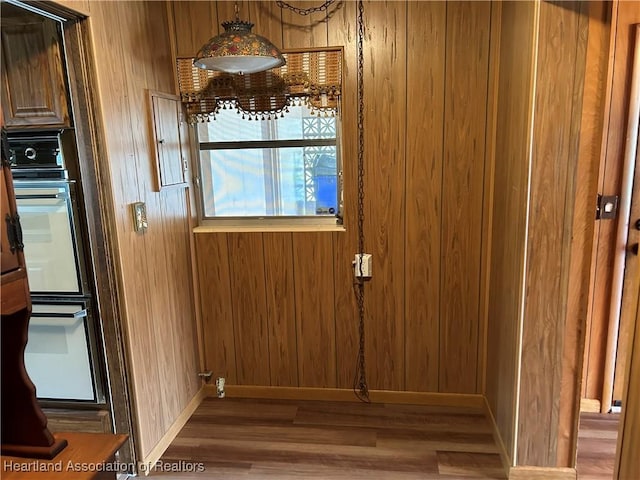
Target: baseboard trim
<point>542,473</point>
<point>502,450</point>
<point>473,401</point>
<point>589,405</point>
<point>157,451</point>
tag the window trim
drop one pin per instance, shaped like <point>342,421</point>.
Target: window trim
<point>271,223</point>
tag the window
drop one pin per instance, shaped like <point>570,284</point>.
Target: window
<point>283,169</point>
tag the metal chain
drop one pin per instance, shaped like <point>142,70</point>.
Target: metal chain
<point>304,11</point>
<point>360,381</point>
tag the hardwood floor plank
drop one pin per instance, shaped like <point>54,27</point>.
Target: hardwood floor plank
<point>597,441</point>
<point>473,442</point>
<point>380,418</point>
<point>470,464</point>
<point>342,456</point>
<point>283,433</point>
<point>291,439</point>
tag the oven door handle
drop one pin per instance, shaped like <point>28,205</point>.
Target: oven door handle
<point>79,314</point>
<point>63,196</point>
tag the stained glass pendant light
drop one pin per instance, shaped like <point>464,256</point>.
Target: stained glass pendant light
<point>238,50</point>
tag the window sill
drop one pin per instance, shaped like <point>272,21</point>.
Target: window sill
<point>268,228</point>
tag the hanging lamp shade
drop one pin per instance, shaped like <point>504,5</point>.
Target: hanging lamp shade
<point>238,50</point>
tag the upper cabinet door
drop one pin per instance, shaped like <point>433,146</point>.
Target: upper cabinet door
<point>33,82</point>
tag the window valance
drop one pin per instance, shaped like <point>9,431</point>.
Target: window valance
<point>312,77</point>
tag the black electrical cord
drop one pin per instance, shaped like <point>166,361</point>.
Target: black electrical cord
<point>360,387</point>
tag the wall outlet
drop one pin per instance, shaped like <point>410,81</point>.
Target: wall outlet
<point>139,217</point>
<point>220,387</point>
<point>362,265</point>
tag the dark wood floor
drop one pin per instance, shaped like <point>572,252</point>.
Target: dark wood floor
<point>597,439</point>
<point>268,439</point>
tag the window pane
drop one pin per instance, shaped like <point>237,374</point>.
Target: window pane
<point>229,126</point>
<point>287,181</point>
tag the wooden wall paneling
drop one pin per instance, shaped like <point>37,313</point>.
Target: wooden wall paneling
<point>280,309</point>
<point>267,18</point>
<point>195,23</point>
<point>599,59</point>
<point>185,310</point>
<point>629,17</point>
<point>385,126</point>
<point>155,412</point>
<point>462,196</point>
<point>215,298</point>
<point>315,312</point>
<point>548,255</point>
<point>566,384</point>
<point>343,31</point>
<point>424,136</point>
<point>136,297</point>
<point>248,301</point>
<point>180,313</point>
<point>168,284</point>
<point>304,30</point>
<point>513,125</point>
<point>226,11</point>
<point>387,140</point>
<point>489,175</point>
<point>313,255</point>
<point>595,296</point>
<point>163,353</point>
<point>586,184</point>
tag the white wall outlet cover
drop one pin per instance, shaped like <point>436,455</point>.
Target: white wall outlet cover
<point>362,265</point>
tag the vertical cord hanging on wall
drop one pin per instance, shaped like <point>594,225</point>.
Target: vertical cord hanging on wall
<point>360,387</point>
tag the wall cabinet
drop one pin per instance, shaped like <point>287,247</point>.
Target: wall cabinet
<point>34,93</point>
<point>168,137</point>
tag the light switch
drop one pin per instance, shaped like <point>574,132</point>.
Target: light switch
<point>139,216</point>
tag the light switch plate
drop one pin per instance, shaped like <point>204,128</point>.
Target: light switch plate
<point>139,216</point>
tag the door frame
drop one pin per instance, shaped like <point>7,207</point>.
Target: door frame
<point>627,465</point>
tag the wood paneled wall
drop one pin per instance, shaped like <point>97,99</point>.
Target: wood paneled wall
<point>586,187</point>
<point>291,319</point>
<point>542,71</point>
<point>558,108</point>
<point>132,54</point>
<point>512,159</point>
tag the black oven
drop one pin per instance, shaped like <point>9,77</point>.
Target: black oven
<point>36,155</point>
<point>64,356</point>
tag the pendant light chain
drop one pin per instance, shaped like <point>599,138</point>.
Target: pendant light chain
<point>360,387</point>
<point>304,11</point>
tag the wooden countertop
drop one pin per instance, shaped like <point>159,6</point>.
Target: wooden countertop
<point>84,454</point>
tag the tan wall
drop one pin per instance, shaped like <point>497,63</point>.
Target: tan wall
<point>556,132</point>
<point>514,116</point>
<point>291,318</point>
<point>536,160</point>
<point>132,54</point>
